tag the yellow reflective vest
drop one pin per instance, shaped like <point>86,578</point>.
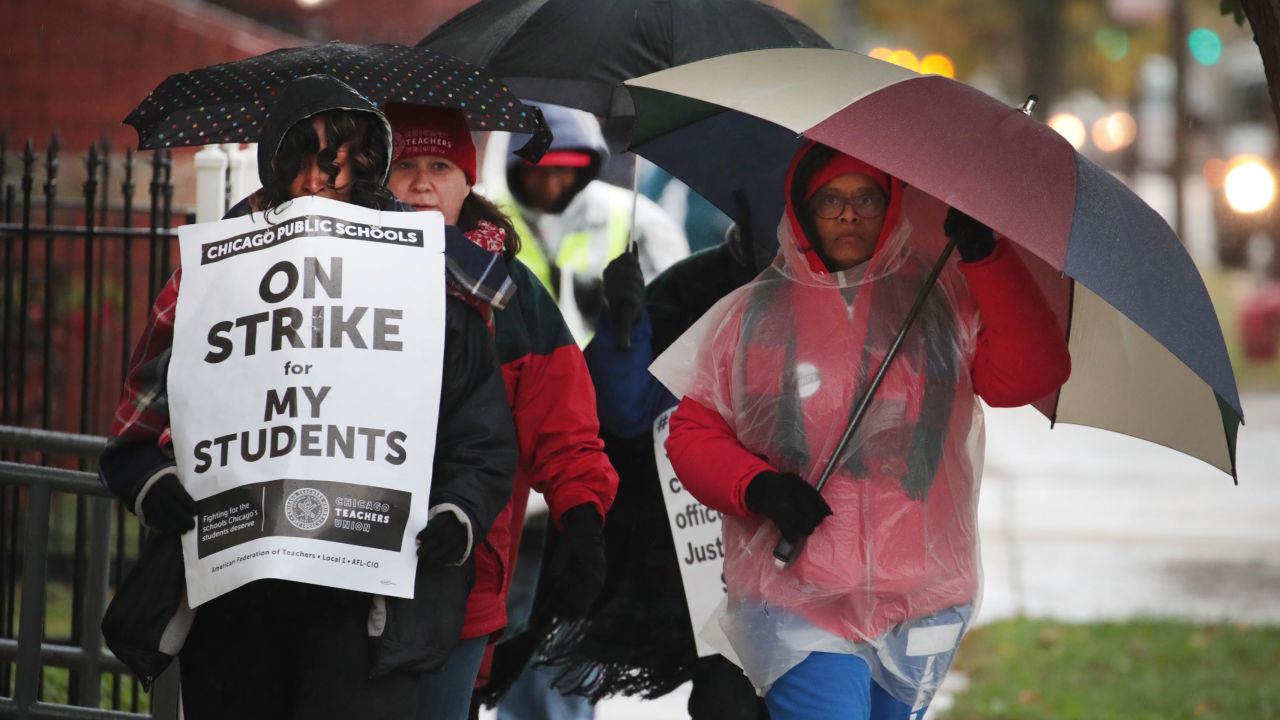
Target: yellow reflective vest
<point>575,248</point>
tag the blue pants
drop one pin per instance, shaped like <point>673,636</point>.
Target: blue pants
<point>834,686</point>
<point>446,693</point>
<point>533,698</point>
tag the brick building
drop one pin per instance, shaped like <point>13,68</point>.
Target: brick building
<point>80,66</point>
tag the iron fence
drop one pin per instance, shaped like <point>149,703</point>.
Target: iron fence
<point>78,284</point>
<point>32,652</point>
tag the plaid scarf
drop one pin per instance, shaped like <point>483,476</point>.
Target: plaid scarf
<point>476,270</point>
<point>485,241</point>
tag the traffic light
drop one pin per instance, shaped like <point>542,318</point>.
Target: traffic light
<point>1205,46</point>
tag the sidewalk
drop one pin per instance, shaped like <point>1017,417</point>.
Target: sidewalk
<point>1079,524</point>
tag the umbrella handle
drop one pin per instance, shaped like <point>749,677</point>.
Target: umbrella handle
<point>785,553</point>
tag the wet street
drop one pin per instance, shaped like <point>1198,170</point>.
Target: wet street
<point>1080,524</point>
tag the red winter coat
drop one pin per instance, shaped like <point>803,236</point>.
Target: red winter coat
<point>561,455</point>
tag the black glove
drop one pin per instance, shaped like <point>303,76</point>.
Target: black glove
<point>794,505</point>
<point>168,506</point>
<point>624,294</point>
<point>442,541</point>
<point>575,573</point>
<point>974,240</point>
<point>588,293</point>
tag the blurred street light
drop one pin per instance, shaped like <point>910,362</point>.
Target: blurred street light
<point>1114,131</point>
<point>906,59</point>
<point>930,64</point>
<point>1250,186</point>
<point>937,64</point>
<point>1070,127</point>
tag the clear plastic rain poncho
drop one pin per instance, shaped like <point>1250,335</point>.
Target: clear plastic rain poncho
<point>894,574</point>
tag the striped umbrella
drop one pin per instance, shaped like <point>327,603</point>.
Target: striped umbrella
<point>1148,357</point>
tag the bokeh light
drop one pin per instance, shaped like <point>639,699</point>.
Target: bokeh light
<point>1114,131</point>
<point>1205,46</point>
<point>1250,186</point>
<point>1112,42</point>
<point>937,64</point>
<point>1215,172</point>
<point>1069,127</point>
<point>881,53</point>
<point>906,59</point>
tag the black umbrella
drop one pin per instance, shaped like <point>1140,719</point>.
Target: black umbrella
<point>230,101</point>
<point>575,53</point>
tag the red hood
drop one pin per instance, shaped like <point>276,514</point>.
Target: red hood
<point>803,243</point>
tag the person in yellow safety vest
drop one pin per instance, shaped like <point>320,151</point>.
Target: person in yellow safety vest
<point>573,224</point>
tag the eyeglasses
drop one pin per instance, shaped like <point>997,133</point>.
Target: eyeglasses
<point>830,206</point>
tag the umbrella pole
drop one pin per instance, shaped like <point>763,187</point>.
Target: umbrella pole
<point>786,552</point>
<point>625,323</point>
<point>635,200</point>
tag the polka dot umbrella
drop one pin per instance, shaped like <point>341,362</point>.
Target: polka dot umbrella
<point>229,102</point>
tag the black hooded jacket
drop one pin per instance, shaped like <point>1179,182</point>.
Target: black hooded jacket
<point>303,98</point>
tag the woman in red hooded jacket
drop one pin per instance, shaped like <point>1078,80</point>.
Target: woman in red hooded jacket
<point>866,621</point>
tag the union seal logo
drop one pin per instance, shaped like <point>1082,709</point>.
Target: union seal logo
<point>306,508</point>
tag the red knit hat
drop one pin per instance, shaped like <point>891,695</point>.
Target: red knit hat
<point>418,130</point>
<point>841,164</point>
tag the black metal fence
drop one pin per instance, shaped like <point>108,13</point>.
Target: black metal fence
<point>79,275</point>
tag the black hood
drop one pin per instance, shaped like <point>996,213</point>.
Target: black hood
<point>303,98</point>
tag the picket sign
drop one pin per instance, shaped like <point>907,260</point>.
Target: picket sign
<point>695,528</point>
<point>304,389</point>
